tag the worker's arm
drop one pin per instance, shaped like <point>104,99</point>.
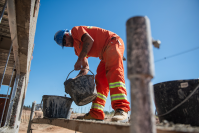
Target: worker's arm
<point>87,45</point>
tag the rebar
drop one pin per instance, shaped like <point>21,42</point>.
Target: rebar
<point>6,65</point>
<point>7,96</point>
<point>12,99</point>
<point>2,12</point>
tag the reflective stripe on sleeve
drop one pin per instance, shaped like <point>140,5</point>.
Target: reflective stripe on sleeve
<point>97,106</point>
<point>118,97</point>
<point>101,96</point>
<point>89,27</point>
<point>117,84</point>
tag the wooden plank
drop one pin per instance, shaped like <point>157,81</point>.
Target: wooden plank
<point>89,126</point>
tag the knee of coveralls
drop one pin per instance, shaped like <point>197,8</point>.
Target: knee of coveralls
<point>118,91</point>
<point>102,89</point>
<point>113,57</point>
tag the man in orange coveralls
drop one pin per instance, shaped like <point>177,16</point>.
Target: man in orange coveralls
<point>90,41</point>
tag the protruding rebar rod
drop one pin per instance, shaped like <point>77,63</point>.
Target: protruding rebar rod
<point>2,12</point>
<point>14,89</point>
<point>31,116</point>
<point>6,66</point>
<point>140,72</point>
<point>7,95</point>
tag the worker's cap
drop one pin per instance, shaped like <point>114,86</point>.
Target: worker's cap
<point>58,37</point>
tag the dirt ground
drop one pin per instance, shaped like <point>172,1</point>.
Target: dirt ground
<point>43,128</point>
<point>40,128</point>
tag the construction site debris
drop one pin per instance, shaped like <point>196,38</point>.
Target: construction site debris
<point>177,127</point>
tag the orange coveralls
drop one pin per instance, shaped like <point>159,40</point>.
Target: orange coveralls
<point>109,47</point>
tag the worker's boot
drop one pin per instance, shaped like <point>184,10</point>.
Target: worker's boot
<point>120,116</point>
<point>87,117</point>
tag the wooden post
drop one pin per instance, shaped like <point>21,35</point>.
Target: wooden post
<point>31,117</point>
<point>140,72</point>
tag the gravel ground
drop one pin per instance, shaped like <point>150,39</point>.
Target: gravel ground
<point>177,127</point>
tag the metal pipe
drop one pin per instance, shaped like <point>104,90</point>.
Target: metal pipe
<point>140,72</point>
<point>6,65</point>
<point>7,95</point>
<point>2,12</point>
<point>12,99</point>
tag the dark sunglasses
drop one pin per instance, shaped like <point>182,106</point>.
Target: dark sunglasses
<point>64,42</point>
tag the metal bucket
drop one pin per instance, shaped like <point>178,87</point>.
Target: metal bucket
<point>56,106</point>
<point>69,113</point>
<point>81,89</point>
<point>178,101</point>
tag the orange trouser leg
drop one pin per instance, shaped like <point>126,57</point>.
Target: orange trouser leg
<point>102,89</point>
<point>110,76</point>
<point>113,58</point>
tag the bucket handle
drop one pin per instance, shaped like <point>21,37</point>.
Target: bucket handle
<point>179,103</point>
<point>83,68</point>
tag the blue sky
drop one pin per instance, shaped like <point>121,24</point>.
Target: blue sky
<point>174,22</point>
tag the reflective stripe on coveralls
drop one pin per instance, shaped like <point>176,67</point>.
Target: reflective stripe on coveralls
<point>117,84</point>
<point>118,97</point>
<point>97,106</point>
<point>89,27</point>
<point>101,96</point>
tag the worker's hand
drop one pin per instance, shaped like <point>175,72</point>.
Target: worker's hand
<point>78,64</point>
<point>84,71</point>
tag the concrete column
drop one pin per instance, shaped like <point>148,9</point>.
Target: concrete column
<point>31,117</point>
<point>17,106</point>
<point>140,72</point>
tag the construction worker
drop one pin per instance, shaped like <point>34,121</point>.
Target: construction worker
<point>90,41</point>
